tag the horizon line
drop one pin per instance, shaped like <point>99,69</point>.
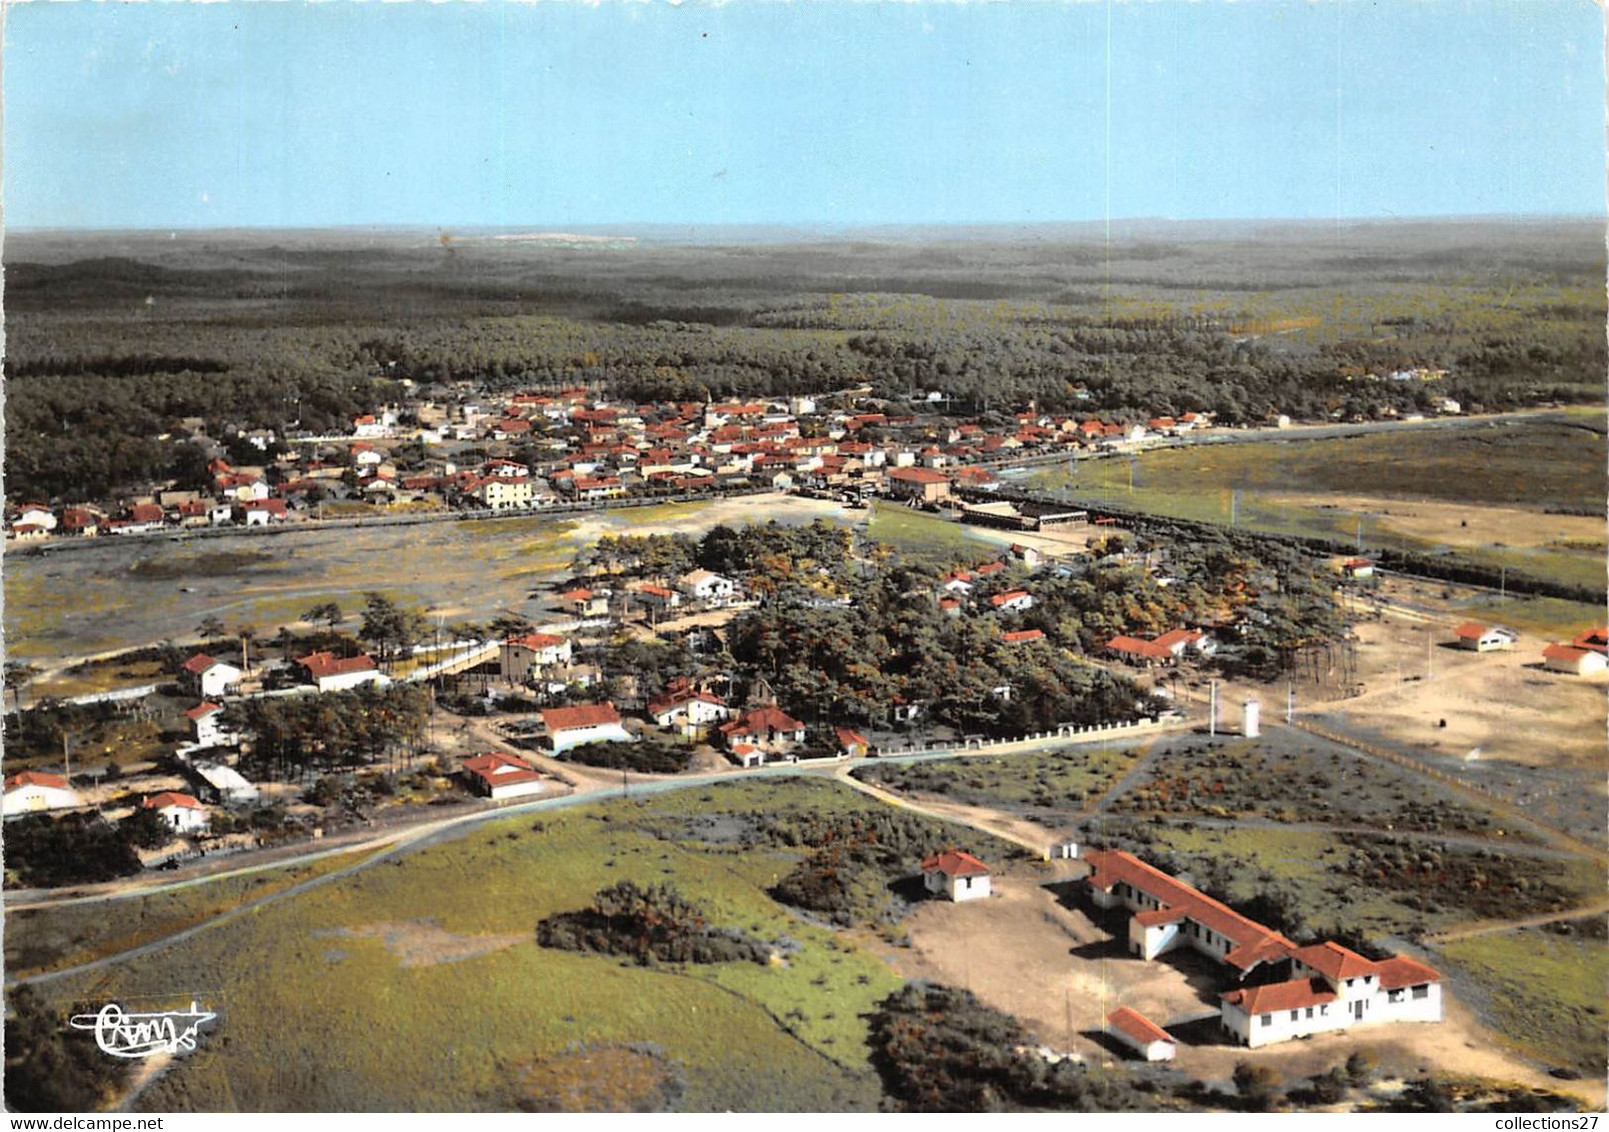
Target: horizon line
<point>560,230</point>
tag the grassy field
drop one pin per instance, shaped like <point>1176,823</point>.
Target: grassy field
<point>1538,463</point>
<point>1546,992</point>
<point>920,534</point>
<point>1553,618</point>
<point>51,938</point>
<point>99,677</point>
<point>1413,491</point>
<point>1066,780</point>
<point>416,984</point>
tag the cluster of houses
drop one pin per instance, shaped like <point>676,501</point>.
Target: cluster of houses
<point>530,450</point>
<point>1586,655</point>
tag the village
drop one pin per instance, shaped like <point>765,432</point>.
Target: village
<point>639,668</point>
<point>456,452</point>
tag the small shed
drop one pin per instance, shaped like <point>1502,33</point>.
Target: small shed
<point>1577,662</point>
<point>955,874</point>
<point>1150,1041</point>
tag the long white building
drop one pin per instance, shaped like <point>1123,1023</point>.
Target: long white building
<point>1324,986</point>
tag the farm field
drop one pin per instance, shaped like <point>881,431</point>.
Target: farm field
<point>439,944</point>
<point>922,535</point>
<point>1484,491</point>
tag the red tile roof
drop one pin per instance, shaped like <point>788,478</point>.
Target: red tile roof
<point>497,769</point>
<point>582,715</point>
<point>1399,971</point>
<point>1136,1026</point>
<point>675,697</point>
<point>199,663</point>
<point>850,738</point>
<point>36,778</point>
<point>170,798</point>
<point>918,475</point>
<point>202,710</point>
<point>1254,943</point>
<point>1565,652</point>
<point>1470,631</point>
<point>1292,995</point>
<point>1136,647</point>
<point>1021,635</point>
<point>321,665</point>
<point>1178,636</point>
<point>1334,961</point>
<point>536,641</point>
<point>955,863</point>
<point>1597,640</point>
<point>761,720</point>
<point>1008,596</point>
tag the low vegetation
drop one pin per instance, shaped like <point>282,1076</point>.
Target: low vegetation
<point>648,925</point>
<point>648,755</point>
<point>938,1049</point>
<point>1057,781</point>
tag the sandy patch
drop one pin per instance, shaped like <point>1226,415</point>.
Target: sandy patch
<point>1461,524</point>
<point>1059,973</point>
<point>424,943</point>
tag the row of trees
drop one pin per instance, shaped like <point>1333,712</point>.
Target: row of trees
<point>300,737</point>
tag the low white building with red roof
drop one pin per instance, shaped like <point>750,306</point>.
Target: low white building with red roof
<point>1477,637</point>
<point>576,726</point>
<point>851,743</point>
<point>179,812</point>
<point>34,791</point>
<point>1575,661</point>
<point>1150,1041</point>
<point>330,673</point>
<point>207,677</point>
<point>956,874</point>
<point>1328,987</point>
<point>1333,989</point>
<point>519,656</point>
<point>206,723</point>
<point>769,731</point>
<point>688,709</point>
<point>497,776</point>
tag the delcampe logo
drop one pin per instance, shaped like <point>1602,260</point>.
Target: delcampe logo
<point>144,1035</point>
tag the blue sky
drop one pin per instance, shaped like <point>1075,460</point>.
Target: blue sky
<point>839,113</point>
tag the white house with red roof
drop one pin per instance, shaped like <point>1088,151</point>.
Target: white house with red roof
<point>1138,652</point>
<point>207,677</point>
<point>1150,1041</point>
<point>33,791</point>
<point>957,875</point>
<point>1476,637</point>
<point>921,484</point>
<point>179,812</point>
<point>1012,601</point>
<point>586,603</point>
<point>497,776</point>
<point>768,730</point>
<point>1334,989</point>
<point>1575,661</point>
<point>687,709</point>
<point>576,726</point>
<point>206,723</point>
<point>330,673</point>
<point>518,657</point>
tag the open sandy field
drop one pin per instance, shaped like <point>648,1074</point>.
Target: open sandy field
<point>1461,524</point>
<point>119,594</point>
<point>1059,972</point>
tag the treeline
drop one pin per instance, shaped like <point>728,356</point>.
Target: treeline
<point>300,737</point>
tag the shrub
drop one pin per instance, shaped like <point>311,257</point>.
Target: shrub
<point>648,924</point>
